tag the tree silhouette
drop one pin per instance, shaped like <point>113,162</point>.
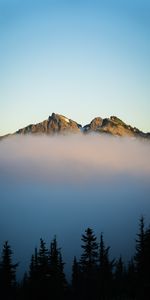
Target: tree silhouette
<point>131,278</point>
<point>139,256</point>
<point>42,260</point>
<point>56,268</point>
<point>140,259</point>
<point>39,273</point>
<point>105,269</point>
<point>146,263</point>
<point>89,256</point>
<point>95,276</point>
<point>7,272</point>
<point>88,263</point>
<point>120,277</point>
<point>76,278</point>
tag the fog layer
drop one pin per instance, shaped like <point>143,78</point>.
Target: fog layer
<point>63,184</point>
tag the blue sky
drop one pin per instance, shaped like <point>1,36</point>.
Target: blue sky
<point>79,58</point>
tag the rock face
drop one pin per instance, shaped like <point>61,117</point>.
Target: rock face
<point>114,126</point>
<point>95,123</point>
<point>54,124</point>
<point>59,124</point>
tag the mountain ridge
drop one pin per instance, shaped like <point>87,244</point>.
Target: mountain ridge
<point>60,124</point>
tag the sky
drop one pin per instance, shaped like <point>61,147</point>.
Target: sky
<point>82,59</point>
<point>65,184</point>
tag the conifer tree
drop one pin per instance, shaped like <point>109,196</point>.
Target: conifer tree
<point>131,279</point>
<point>88,264</point>
<point>105,269</point>
<point>120,277</point>
<point>89,256</point>
<point>7,271</point>
<point>105,265</point>
<point>43,259</point>
<point>54,259</point>
<point>119,269</point>
<point>39,272</point>
<point>62,274</point>
<point>75,274</point>
<point>146,263</point>
<point>33,267</point>
<point>139,256</point>
<point>56,269</point>
<point>43,270</point>
<point>142,260</point>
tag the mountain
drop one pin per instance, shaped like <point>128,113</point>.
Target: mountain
<point>54,124</point>
<point>59,124</point>
<point>114,126</point>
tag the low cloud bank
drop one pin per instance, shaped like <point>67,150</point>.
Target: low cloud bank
<point>73,158</point>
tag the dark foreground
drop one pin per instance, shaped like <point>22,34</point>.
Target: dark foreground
<point>94,275</point>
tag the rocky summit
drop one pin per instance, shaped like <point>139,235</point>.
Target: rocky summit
<point>114,126</point>
<point>54,124</point>
<point>59,124</point>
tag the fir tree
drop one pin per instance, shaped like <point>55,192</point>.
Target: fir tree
<point>119,269</point>
<point>7,271</point>
<point>33,267</point>
<point>131,279</point>
<point>142,260</point>
<point>146,266</point>
<point>89,256</point>
<point>105,269</point>
<point>75,274</point>
<point>56,269</point>
<point>39,273</point>
<point>120,277</point>
<point>139,256</point>
<point>88,264</point>
<point>43,258</point>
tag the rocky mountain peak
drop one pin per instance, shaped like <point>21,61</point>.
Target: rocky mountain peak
<point>59,124</point>
<point>113,126</point>
<point>54,124</point>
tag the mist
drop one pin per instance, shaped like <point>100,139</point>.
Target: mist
<point>61,185</point>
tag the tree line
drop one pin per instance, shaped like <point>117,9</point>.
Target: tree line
<point>94,276</point>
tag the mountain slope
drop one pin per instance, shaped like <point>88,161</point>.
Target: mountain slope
<point>59,124</point>
<point>114,126</point>
<point>54,124</point>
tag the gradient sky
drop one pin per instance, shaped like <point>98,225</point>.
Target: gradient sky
<point>80,58</point>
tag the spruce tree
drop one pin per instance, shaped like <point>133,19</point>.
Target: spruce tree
<point>76,277</point>
<point>42,271</point>
<point>7,272</point>
<point>39,272</point>
<point>56,269</point>
<point>104,269</point>
<point>88,264</point>
<point>89,256</point>
<point>146,266</point>
<point>33,267</point>
<point>42,260</point>
<point>119,269</point>
<point>131,279</point>
<point>120,277</point>
<point>142,260</point>
<point>139,255</point>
